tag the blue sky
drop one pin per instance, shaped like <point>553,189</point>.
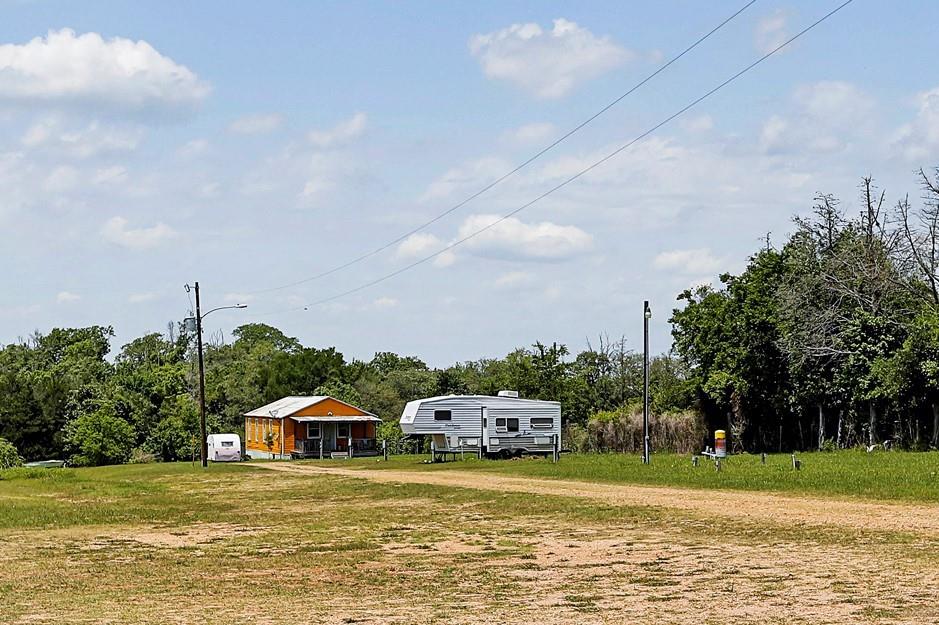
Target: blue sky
<point>144,146</point>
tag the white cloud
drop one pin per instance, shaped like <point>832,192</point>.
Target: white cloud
<point>422,244</point>
<point>826,116</point>
<point>771,31</point>
<point>61,179</point>
<point>256,124</point>
<point>66,297</point>
<point>547,63</point>
<point>919,139</point>
<point>530,133</point>
<point>114,174</point>
<point>689,262</point>
<point>514,239</point>
<point>385,302</point>
<point>92,140</point>
<point>470,176</point>
<point>341,133</point>
<point>142,298</point>
<point>116,231</point>
<point>512,280</point>
<point>118,73</point>
<point>698,123</point>
<point>193,148</point>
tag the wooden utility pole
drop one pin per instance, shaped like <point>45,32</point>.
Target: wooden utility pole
<point>205,435</point>
<point>646,315</point>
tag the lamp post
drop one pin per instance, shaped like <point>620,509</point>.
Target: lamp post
<point>198,318</point>
<point>646,315</point>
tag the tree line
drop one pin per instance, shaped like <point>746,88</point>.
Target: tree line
<point>830,341</point>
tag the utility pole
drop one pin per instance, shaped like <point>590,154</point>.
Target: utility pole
<point>198,320</point>
<point>205,434</point>
<point>646,315</point>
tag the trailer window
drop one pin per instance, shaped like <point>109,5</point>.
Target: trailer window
<point>500,424</point>
<point>228,444</point>
<point>442,415</point>
<point>542,422</point>
<point>511,424</point>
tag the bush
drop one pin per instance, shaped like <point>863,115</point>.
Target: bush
<point>621,430</point>
<point>99,437</point>
<point>9,458</point>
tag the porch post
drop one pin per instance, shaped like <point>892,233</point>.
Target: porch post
<point>321,441</point>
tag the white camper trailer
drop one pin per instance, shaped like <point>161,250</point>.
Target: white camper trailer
<point>224,447</point>
<point>481,424</point>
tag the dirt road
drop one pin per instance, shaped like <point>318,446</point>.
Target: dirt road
<point>740,505</point>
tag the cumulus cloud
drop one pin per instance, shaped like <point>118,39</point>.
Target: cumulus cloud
<point>423,244</point>
<point>547,63</point>
<point>530,133</point>
<point>66,68</point>
<point>90,140</point>
<point>115,230</point>
<point>469,176</point>
<point>255,124</point>
<point>341,133</point>
<point>826,116</point>
<point>66,297</point>
<point>919,139</point>
<point>514,239</point>
<point>688,262</point>
<point>698,123</point>
<point>771,31</point>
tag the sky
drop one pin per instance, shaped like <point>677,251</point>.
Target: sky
<point>251,146</point>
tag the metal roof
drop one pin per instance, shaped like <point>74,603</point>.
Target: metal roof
<point>289,405</point>
<point>335,418</point>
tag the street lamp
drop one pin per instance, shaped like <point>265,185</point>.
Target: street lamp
<point>198,318</point>
<point>646,315</point>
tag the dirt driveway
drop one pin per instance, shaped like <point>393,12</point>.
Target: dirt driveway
<point>922,520</point>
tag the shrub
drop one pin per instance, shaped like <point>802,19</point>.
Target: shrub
<point>99,437</point>
<point>9,458</point>
<point>621,430</point>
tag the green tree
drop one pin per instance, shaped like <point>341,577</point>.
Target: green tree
<point>98,438</point>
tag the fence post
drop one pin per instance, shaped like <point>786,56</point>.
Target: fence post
<point>384,448</point>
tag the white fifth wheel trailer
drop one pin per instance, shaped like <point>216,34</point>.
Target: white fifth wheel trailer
<point>481,424</point>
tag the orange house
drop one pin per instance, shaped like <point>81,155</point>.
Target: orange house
<point>310,427</point>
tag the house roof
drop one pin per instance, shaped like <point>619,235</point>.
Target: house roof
<point>334,419</point>
<point>287,406</point>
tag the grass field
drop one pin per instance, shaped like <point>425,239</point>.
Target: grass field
<point>894,476</point>
<point>172,543</point>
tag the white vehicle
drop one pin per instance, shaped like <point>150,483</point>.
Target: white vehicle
<point>481,424</point>
<point>224,447</point>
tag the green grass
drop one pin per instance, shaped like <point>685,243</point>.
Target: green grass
<point>899,476</point>
<point>283,538</point>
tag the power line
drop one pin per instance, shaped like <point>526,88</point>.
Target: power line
<point>579,174</point>
<point>518,168</point>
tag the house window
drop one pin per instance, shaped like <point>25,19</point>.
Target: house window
<point>342,430</point>
<point>511,424</point>
<point>312,430</point>
<point>542,422</point>
<point>442,415</point>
